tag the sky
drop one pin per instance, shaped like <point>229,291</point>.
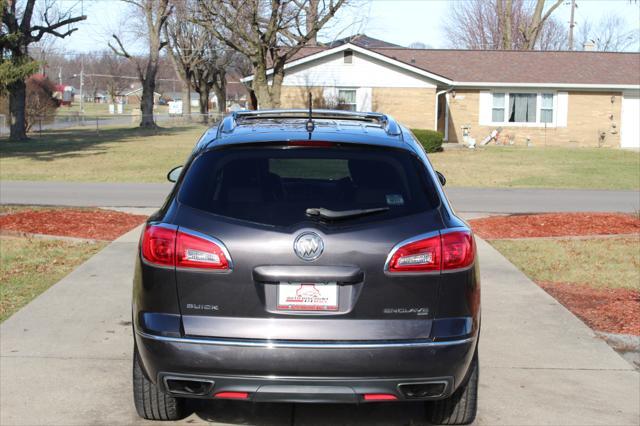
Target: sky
<point>397,21</point>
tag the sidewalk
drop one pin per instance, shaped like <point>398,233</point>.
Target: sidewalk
<point>66,359</point>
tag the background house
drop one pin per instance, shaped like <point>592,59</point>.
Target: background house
<point>133,97</point>
<point>555,98</point>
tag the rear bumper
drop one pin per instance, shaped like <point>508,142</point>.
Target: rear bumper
<point>295,371</point>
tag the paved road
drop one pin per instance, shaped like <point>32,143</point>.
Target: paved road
<point>66,360</point>
<point>463,199</point>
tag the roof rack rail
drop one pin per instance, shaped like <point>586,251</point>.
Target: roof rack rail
<point>390,126</point>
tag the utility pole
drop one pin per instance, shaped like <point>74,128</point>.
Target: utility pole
<point>572,23</point>
<point>82,86</point>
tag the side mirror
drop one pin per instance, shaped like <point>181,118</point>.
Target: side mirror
<point>174,174</point>
<point>443,180</point>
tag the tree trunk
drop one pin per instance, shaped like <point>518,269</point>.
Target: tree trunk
<point>506,29</point>
<point>148,90</point>
<point>221,95</point>
<point>253,100</point>
<point>261,87</point>
<point>311,18</point>
<point>276,84</point>
<point>17,104</point>
<point>204,91</point>
<point>186,100</point>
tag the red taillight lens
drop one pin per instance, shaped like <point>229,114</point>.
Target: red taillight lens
<point>232,395</point>
<point>457,250</point>
<point>168,247</point>
<point>379,397</point>
<point>197,252</point>
<point>158,245</point>
<point>417,256</point>
<point>453,250</point>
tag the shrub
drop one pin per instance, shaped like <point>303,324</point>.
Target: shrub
<point>430,139</point>
<point>40,105</point>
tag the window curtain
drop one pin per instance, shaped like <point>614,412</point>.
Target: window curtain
<point>523,107</point>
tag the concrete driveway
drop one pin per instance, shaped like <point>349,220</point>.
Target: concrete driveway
<point>485,200</point>
<point>65,359</point>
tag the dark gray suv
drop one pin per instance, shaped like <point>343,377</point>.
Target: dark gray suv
<point>307,257</point>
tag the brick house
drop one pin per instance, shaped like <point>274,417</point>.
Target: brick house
<point>555,98</point>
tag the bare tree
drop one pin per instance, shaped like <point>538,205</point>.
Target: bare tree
<point>532,28</point>
<point>114,67</point>
<point>20,30</point>
<point>418,45</point>
<point>503,25</point>
<point>268,33</point>
<point>186,42</point>
<point>242,67</point>
<point>211,74</point>
<point>40,104</point>
<point>610,34</point>
<point>553,36</point>
<point>154,14</point>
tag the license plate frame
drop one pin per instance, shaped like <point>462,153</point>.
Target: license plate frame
<point>307,297</point>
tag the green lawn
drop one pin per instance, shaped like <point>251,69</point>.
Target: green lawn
<point>135,155</point>
<point>113,155</point>
<point>540,167</point>
<point>30,266</point>
<point>599,262</point>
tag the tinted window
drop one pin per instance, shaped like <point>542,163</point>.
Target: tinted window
<point>275,186</point>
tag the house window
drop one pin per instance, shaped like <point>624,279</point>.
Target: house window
<point>522,108</point>
<point>497,112</point>
<point>347,99</point>
<point>546,109</point>
<point>348,56</point>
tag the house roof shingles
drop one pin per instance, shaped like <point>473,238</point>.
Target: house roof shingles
<point>508,66</point>
<point>505,66</point>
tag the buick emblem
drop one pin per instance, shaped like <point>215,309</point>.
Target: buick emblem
<point>308,246</point>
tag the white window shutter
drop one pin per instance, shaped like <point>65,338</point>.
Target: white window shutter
<point>563,109</point>
<point>484,111</point>
<point>363,99</point>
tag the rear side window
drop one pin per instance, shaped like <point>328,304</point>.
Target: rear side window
<point>276,185</point>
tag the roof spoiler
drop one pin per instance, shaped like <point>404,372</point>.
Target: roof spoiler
<point>390,126</point>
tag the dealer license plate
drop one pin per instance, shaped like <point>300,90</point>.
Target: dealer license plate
<point>308,296</point>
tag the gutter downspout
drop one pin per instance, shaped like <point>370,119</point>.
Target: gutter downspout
<point>446,113</point>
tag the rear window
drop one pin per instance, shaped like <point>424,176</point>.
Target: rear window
<point>275,185</point>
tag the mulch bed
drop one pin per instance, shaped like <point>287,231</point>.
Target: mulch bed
<point>608,310</point>
<point>555,225</point>
<point>80,223</point>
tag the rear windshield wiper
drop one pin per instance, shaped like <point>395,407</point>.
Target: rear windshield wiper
<point>342,214</point>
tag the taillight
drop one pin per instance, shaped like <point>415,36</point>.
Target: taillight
<point>418,256</point>
<point>199,252</point>
<point>168,246</point>
<point>457,250</point>
<point>453,250</point>
<point>159,245</point>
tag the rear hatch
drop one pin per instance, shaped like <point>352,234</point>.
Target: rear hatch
<point>308,230</point>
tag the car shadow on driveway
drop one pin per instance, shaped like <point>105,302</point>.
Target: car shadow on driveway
<point>264,414</point>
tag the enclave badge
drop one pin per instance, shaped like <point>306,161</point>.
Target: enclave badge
<point>308,246</point>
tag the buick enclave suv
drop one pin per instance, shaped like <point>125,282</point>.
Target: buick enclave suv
<point>307,257</point>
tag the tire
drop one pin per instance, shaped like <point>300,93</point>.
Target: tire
<point>151,402</point>
<point>461,407</point>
